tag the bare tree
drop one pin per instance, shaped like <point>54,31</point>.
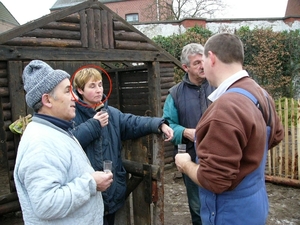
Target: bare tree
<point>179,9</point>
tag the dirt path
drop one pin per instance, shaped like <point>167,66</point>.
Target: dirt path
<point>284,202</point>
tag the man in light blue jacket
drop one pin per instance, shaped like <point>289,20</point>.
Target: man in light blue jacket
<point>55,181</point>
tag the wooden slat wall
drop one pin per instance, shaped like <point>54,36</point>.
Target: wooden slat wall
<point>167,81</point>
<point>134,92</point>
<point>6,143</point>
<point>8,147</point>
<point>18,105</point>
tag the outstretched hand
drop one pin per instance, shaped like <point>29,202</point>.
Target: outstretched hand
<point>168,131</point>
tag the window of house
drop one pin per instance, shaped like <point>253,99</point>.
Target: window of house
<point>134,17</point>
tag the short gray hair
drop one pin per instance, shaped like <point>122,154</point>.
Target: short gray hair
<point>39,104</point>
<point>190,49</point>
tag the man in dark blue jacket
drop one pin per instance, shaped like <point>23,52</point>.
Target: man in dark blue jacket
<point>101,134</point>
<point>183,108</point>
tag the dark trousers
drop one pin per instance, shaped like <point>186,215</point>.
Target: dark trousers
<point>109,219</point>
<point>192,191</point>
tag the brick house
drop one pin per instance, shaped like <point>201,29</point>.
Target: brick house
<point>292,8</point>
<point>130,10</point>
<point>7,20</point>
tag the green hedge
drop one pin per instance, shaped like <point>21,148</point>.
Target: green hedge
<point>271,58</point>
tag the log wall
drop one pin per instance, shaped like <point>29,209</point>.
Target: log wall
<point>88,33</point>
<point>91,28</point>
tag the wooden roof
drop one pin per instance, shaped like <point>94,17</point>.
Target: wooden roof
<point>86,31</point>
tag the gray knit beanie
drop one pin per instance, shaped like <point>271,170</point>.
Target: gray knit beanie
<point>39,78</point>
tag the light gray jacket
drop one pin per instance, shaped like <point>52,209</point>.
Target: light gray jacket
<point>53,178</point>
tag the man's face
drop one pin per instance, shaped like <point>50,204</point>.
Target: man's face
<point>62,101</point>
<point>195,69</point>
<point>92,93</point>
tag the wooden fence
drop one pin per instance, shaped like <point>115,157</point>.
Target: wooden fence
<point>283,161</point>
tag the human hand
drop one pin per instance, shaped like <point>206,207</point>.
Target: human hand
<point>168,131</point>
<point>189,133</point>
<point>181,160</point>
<point>103,180</point>
<point>102,117</point>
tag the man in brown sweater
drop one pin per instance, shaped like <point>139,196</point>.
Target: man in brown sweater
<point>231,140</point>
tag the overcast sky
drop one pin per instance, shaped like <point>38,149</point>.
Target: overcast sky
<point>27,10</point>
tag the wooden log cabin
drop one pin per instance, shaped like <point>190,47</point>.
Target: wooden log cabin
<point>141,74</point>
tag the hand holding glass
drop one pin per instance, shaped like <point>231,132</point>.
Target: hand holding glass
<point>103,110</point>
<point>107,166</point>
<point>181,148</point>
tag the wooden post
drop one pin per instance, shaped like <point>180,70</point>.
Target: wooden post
<point>298,137</point>
<point>18,108</point>
<point>158,150</point>
<point>285,162</point>
<point>293,139</point>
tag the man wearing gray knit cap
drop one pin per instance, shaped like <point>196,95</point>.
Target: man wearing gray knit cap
<point>54,179</point>
<point>40,78</point>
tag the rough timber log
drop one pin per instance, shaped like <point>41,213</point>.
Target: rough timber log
<point>62,26</point>
<point>133,45</point>
<point>283,181</point>
<point>4,91</point>
<point>129,36</point>
<point>51,33</point>
<point>30,41</point>
<point>10,207</point>
<point>73,18</point>
<point>8,198</point>
<point>120,26</point>
<point>137,169</point>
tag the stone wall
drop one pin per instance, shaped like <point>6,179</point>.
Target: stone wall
<point>169,28</point>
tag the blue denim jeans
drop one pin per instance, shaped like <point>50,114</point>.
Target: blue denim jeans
<point>192,191</point>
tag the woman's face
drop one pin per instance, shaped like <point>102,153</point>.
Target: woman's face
<point>92,93</point>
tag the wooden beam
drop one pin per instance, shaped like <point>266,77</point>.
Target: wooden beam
<point>118,25</point>
<point>283,181</point>
<point>83,29</point>
<point>10,207</point>
<point>134,45</point>
<point>52,53</point>
<point>129,36</point>
<point>62,26</point>
<point>136,168</point>
<point>104,29</point>
<point>158,146</point>
<point>98,25</point>
<point>31,41</point>
<point>110,30</point>
<point>73,18</point>
<point>90,28</point>
<point>52,33</point>
<point>8,198</point>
